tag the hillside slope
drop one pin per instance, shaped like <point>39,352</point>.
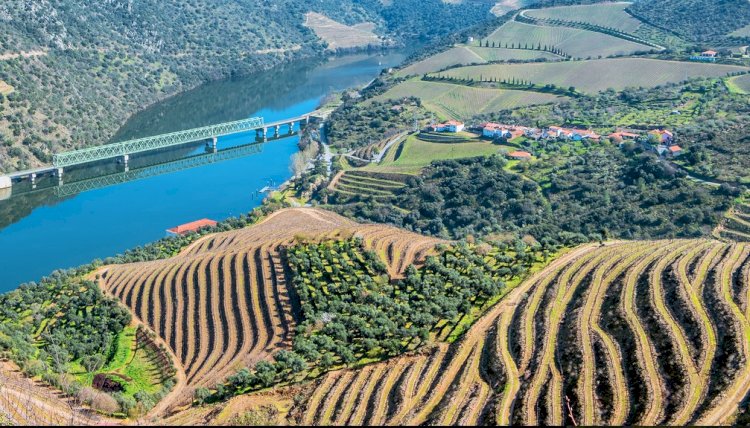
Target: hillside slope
<point>224,301</point>
<point>696,20</point>
<point>71,72</point>
<point>643,332</point>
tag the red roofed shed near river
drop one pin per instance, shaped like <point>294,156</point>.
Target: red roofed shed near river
<point>193,226</point>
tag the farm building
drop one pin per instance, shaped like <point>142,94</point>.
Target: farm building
<point>193,226</point>
<point>662,135</point>
<point>621,136</point>
<point>519,155</point>
<point>496,130</point>
<point>675,151</point>
<point>707,56</point>
<point>449,126</point>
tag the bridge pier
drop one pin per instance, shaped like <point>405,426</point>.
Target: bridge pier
<point>291,127</point>
<point>212,145</point>
<point>59,174</point>
<point>32,177</point>
<point>307,120</point>
<point>276,131</point>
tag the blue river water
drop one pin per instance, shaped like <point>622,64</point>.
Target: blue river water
<point>41,232</point>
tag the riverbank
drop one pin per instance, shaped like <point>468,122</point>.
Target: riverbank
<point>41,232</point>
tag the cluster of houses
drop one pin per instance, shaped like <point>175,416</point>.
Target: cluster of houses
<point>509,132</point>
<point>660,141</point>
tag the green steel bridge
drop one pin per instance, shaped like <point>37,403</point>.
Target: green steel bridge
<point>124,149</point>
<point>127,148</point>
<point>73,188</point>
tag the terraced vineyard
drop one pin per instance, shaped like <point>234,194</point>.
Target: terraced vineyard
<point>573,42</point>
<point>462,102</point>
<point>24,402</point>
<point>466,55</point>
<point>627,333</point>
<point>608,15</point>
<point>736,224</point>
<point>367,184</point>
<point>597,75</point>
<point>224,301</point>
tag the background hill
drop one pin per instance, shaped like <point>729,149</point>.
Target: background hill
<point>696,20</point>
<point>71,72</point>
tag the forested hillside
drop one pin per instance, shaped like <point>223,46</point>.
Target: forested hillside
<point>696,20</point>
<point>71,71</point>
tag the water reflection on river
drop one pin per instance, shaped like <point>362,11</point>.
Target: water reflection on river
<point>41,230</point>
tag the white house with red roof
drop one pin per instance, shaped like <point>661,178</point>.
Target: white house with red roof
<point>497,130</point>
<point>708,56</point>
<point>449,126</point>
<point>675,151</point>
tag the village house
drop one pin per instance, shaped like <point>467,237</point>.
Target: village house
<point>572,134</point>
<point>449,126</point>
<point>620,136</point>
<point>496,130</point>
<point>707,56</point>
<point>662,136</point>
<point>519,155</point>
<point>674,151</point>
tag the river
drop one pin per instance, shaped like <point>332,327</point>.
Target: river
<point>44,230</point>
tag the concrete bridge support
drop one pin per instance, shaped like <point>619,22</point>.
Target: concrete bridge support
<point>277,128</point>
<point>32,178</point>
<point>291,127</point>
<point>59,174</point>
<point>212,145</point>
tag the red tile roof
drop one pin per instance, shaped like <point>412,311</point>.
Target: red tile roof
<point>519,154</point>
<point>709,53</point>
<point>675,148</point>
<point>193,226</point>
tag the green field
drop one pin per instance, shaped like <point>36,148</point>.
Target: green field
<point>739,84</point>
<point>417,154</point>
<point>574,42</point>
<point>128,361</point>
<point>610,15</point>
<point>598,75</point>
<point>462,102</point>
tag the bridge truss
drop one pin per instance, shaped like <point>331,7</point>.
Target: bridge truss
<point>74,188</point>
<point>107,151</point>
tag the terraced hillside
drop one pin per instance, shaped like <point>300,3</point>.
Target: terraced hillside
<point>25,402</point>
<point>626,333</point>
<point>573,42</point>
<point>597,75</point>
<point>452,101</point>
<point>367,184</point>
<point>466,55</point>
<point>736,224</point>
<point>224,301</point>
<point>607,15</point>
